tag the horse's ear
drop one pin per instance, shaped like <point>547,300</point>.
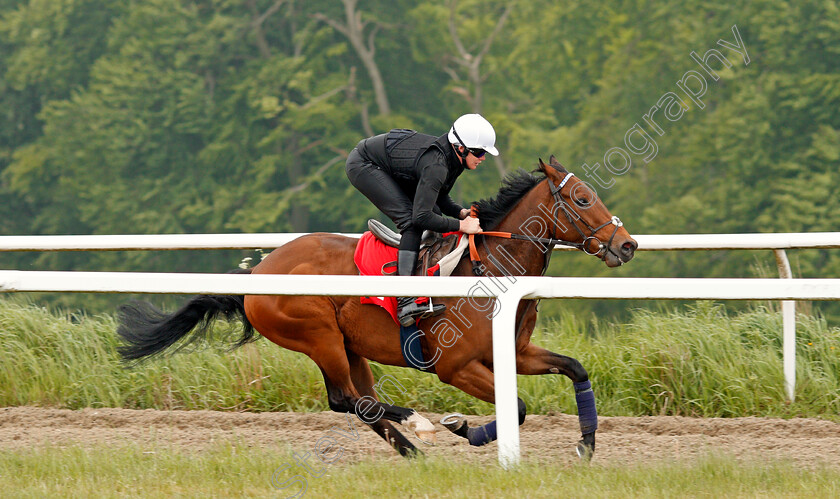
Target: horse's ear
<point>543,168</point>
<point>556,164</point>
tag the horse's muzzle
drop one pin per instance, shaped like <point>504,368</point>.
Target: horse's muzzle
<point>628,249</point>
<point>620,252</point>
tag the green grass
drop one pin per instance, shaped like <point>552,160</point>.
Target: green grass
<point>699,361</point>
<point>231,471</point>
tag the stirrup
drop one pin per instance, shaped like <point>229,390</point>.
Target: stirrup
<point>408,314</point>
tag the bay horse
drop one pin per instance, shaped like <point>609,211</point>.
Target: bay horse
<point>341,335</point>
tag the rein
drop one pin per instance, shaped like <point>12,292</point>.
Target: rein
<point>559,203</point>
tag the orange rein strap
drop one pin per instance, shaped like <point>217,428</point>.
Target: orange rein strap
<point>545,241</point>
<point>476,259</point>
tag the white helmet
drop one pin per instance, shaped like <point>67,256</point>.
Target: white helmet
<point>474,132</point>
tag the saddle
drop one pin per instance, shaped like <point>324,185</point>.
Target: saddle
<point>433,247</point>
<point>376,253</point>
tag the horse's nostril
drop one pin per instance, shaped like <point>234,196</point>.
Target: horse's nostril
<point>628,248</point>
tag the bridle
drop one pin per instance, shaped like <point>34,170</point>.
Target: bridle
<point>560,203</point>
<point>549,242</point>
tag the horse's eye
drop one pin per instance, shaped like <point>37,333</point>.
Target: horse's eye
<point>582,202</point>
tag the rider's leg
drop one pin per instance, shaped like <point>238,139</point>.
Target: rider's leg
<point>382,190</point>
<point>408,309</point>
<point>387,195</point>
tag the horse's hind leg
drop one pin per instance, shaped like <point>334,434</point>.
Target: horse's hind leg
<point>536,360</point>
<point>477,380</point>
<point>308,325</point>
<point>375,414</point>
<point>364,382</point>
<point>343,396</point>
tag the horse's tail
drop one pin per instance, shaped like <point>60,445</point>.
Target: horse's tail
<point>147,331</point>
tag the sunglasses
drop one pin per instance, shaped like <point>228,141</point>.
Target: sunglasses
<point>478,153</point>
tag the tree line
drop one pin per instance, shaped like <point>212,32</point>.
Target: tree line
<point>159,116</point>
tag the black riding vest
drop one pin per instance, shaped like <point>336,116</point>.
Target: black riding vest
<point>413,160</point>
<point>404,149</point>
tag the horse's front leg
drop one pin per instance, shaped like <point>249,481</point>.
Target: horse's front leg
<point>536,360</point>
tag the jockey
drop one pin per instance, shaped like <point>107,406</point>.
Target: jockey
<point>408,176</point>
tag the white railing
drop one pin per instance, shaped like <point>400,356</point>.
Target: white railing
<point>657,242</point>
<point>661,242</point>
<point>504,357</point>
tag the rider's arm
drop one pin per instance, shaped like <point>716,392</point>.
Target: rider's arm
<point>432,175</point>
<point>448,206</point>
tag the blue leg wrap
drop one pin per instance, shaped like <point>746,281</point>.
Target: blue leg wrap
<point>412,349</point>
<point>482,434</point>
<point>587,414</point>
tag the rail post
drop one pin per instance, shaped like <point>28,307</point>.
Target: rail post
<point>504,375</point>
<point>788,327</point>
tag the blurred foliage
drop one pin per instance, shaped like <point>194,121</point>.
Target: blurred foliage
<point>156,116</point>
<point>698,360</point>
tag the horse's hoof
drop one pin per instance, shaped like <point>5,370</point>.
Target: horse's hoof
<point>423,429</point>
<point>584,451</point>
<point>427,437</point>
<point>454,422</point>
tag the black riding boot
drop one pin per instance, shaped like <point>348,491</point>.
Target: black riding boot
<point>408,311</point>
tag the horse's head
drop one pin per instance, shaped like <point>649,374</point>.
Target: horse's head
<point>578,216</point>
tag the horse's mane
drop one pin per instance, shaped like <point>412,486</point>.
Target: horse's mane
<point>515,185</point>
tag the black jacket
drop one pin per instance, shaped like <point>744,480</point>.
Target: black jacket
<point>426,168</point>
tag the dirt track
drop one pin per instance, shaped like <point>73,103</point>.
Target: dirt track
<point>620,440</point>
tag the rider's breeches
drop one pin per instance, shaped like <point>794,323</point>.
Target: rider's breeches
<point>384,192</point>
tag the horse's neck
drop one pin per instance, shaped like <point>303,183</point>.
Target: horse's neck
<point>530,218</point>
